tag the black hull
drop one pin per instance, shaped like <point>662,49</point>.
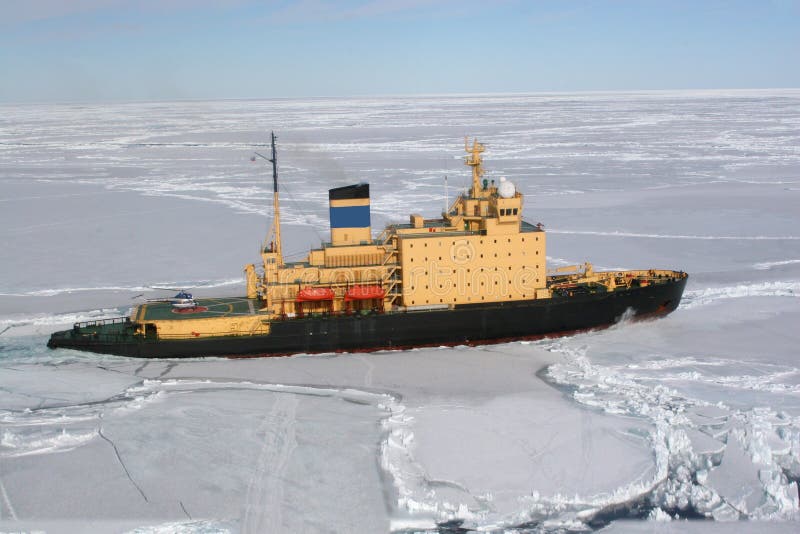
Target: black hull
<point>470,324</point>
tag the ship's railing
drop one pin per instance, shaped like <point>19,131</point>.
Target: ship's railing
<point>384,236</point>
<point>612,280</point>
<point>102,322</point>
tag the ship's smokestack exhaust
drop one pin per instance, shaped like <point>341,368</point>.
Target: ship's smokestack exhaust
<point>350,215</point>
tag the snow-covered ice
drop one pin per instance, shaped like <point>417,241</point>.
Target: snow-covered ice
<point>641,427</point>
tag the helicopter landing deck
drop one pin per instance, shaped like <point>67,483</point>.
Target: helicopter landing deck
<point>205,309</point>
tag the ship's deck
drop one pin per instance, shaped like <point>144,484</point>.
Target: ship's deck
<point>206,308</point>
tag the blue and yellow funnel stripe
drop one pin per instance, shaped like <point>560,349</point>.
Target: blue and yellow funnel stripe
<point>349,214</point>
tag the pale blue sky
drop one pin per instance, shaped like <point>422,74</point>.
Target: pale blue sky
<point>96,50</point>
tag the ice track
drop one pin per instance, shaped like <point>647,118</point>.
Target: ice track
<point>61,429</point>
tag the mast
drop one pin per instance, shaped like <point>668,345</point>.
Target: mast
<point>474,160</point>
<point>276,209</point>
<point>273,243</point>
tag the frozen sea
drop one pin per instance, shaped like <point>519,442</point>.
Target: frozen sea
<point>687,423</point>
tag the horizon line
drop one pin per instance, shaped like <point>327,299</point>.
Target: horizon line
<point>402,95</point>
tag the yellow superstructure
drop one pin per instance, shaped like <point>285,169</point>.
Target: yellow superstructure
<point>478,251</point>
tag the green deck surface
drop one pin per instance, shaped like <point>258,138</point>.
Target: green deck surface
<point>219,307</point>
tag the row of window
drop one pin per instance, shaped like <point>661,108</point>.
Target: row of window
<point>452,243</point>
<point>508,211</point>
<point>411,245</point>
<point>495,255</point>
<point>479,269</point>
<point>469,284</point>
<point>469,299</point>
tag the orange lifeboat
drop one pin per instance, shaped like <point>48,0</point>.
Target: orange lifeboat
<point>364,293</point>
<point>314,294</point>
